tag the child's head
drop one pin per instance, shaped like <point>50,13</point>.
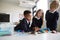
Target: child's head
<point>39,13</point>
<point>54,5</point>
<point>27,15</point>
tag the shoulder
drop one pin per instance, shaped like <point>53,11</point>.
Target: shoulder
<point>23,20</point>
<point>47,11</point>
<point>34,17</point>
<point>56,12</point>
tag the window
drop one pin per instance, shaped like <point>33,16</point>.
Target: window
<point>42,4</point>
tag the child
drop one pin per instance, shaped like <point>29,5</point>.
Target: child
<point>52,16</point>
<point>37,21</point>
<point>25,22</point>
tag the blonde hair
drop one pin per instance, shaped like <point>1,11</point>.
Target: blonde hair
<point>39,11</point>
<point>54,4</point>
<point>42,13</point>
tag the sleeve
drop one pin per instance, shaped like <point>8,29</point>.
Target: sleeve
<point>41,22</point>
<point>46,16</point>
<point>57,15</point>
<point>23,25</point>
<point>33,23</point>
<point>17,27</point>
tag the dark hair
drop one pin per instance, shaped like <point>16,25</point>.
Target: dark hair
<point>27,12</point>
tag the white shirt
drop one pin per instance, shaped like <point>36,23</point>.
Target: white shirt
<point>37,17</point>
<point>53,11</point>
<point>29,22</point>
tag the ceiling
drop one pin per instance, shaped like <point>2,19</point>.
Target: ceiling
<point>28,3</point>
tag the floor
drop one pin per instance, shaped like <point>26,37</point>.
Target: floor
<point>43,36</point>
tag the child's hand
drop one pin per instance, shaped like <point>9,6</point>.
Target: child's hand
<point>37,29</point>
<point>46,31</point>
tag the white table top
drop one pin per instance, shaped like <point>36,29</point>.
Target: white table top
<point>43,36</point>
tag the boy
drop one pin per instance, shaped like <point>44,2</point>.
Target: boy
<point>52,16</point>
<point>25,22</point>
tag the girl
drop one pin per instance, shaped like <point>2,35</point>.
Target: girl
<point>37,21</point>
<point>52,16</point>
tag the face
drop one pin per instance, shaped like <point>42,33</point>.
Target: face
<point>52,9</point>
<point>54,6</point>
<point>28,17</point>
<point>39,14</point>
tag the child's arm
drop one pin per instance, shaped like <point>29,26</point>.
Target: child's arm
<point>46,16</point>
<point>33,23</point>
<point>57,15</point>
<point>23,25</point>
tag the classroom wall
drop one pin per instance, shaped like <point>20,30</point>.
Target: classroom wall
<point>59,20</point>
<point>13,10</point>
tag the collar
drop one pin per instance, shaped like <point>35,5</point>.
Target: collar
<point>27,21</point>
<point>37,17</point>
<point>53,11</point>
